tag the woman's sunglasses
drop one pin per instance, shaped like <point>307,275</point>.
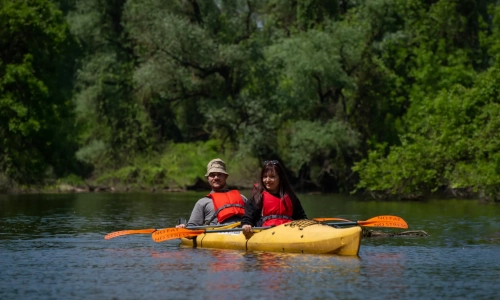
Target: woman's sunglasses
<point>274,162</point>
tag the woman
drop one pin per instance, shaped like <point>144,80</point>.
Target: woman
<point>273,201</point>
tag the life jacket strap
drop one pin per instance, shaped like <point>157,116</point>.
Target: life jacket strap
<point>270,217</point>
<point>224,207</point>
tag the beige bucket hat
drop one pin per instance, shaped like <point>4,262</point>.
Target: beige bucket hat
<point>216,166</point>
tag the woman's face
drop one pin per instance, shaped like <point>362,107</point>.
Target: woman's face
<point>271,182</point>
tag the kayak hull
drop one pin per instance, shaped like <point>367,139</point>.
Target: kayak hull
<point>302,236</point>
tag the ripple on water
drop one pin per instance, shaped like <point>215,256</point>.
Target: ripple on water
<point>54,249</point>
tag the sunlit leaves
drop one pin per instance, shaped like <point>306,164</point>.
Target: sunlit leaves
<point>453,144</point>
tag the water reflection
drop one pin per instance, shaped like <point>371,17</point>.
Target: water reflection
<point>224,273</point>
<point>52,247</point>
<point>387,263</point>
<point>388,267</point>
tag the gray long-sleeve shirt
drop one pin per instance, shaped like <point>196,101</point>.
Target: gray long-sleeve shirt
<point>204,210</point>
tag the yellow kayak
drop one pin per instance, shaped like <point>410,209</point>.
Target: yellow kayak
<point>301,236</point>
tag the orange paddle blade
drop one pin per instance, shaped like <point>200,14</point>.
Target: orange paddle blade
<point>174,233</point>
<point>385,221</point>
<point>138,231</point>
<point>125,232</point>
<point>379,221</point>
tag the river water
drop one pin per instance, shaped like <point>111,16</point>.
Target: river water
<point>52,247</point>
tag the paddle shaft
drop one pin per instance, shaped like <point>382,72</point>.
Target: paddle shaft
<point>388,224</point>
<point>379,221</point>
<point>151,230</point>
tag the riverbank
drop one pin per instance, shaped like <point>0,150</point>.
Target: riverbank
<point>200,186</point>
<point>118,187</point>
<point>239,181</point>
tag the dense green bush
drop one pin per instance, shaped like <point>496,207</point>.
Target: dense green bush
<point>453,143</point>
<point>178,166</point>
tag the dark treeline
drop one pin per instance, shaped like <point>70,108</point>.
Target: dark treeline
<point>392,97</point>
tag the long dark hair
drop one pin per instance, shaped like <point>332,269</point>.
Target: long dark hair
<point>284,187</point>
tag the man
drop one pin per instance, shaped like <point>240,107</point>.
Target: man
<point>221,206</point>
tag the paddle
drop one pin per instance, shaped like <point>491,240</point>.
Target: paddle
<point>177,233</point>
<point>331,219</point>
<point>379,221</point>
<point>125,232</point>
<point>151,230</point>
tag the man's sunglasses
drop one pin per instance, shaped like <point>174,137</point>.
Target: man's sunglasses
<point>273,162</point>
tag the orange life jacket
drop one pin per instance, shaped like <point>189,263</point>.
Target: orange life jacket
<point>274,211</point>
<point>227,204</point>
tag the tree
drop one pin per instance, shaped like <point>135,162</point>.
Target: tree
<point>37,125</point>
<point>116,125</point>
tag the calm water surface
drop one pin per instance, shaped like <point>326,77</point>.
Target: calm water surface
<point>52,247</point>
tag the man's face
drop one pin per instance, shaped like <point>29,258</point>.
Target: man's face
<point>217,180</point>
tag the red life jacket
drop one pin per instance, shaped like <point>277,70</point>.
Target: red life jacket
<point>274,211</point>
<point>227,204</point>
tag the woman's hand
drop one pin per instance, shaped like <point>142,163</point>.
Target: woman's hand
<point>180,226</point>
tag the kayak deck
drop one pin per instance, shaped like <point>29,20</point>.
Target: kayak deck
<point>301,236</point>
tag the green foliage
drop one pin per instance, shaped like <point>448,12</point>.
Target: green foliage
<point>92,153</point>
<point>313,72</point>
<point>324,145</point>
<point>116,124</point>
<point>178,166</point>
<point>72,180</point>
<point>454,144</point>
<point>490,34</point>
<point>403,90</point>
<point>37,126</point>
